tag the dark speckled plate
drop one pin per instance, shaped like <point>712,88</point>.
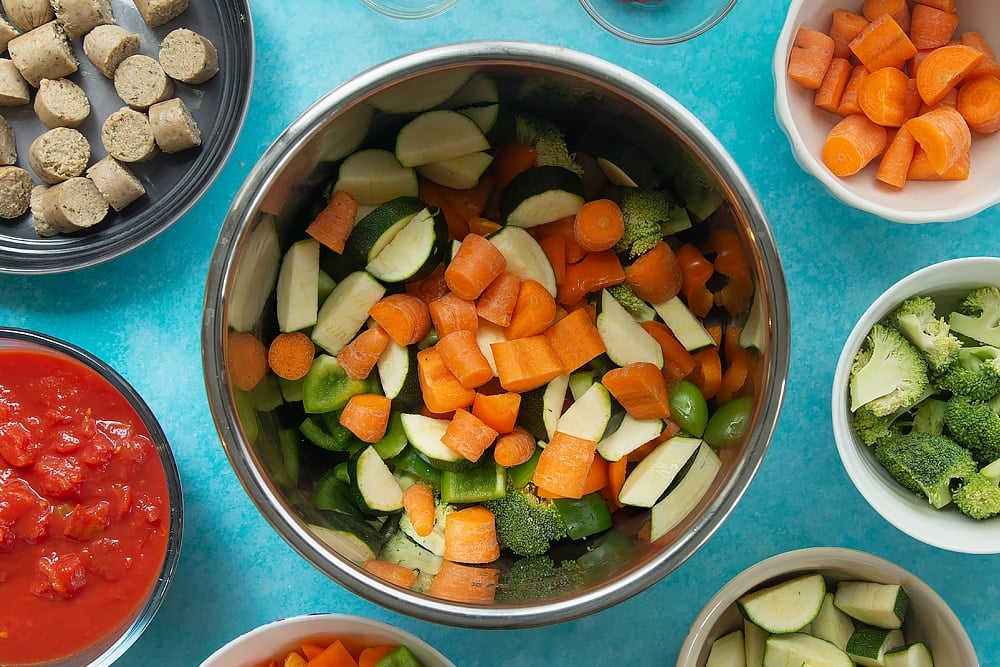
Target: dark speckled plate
<point>173,182</point>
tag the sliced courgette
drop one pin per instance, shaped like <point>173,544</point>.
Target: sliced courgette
<point>540,195</point>
<point>754,638</point>
<point>438,135</point>
<point>459,173</point>
<point>588,417</point>
<point>332,494</point>
<point>394,440</point>
<point>486,334</point>
<point>352,538</point>
<point>346,310</point>
<point>685,326</point>
<point>626,341</point>
<point>686,494</point>
<point>433,541</point>
<point>373,232</point>
<point>373,484</point>
<point>420,94</point>
<point>479,90</point>
<point>401,550</point>
<point>631,434</point>
<point>832,624</point>
<point>525,257</point>
<point>797,648</point>
<point>425,433</point>
<point>254,276</point>
<point>788,606</point>
<point>868,644</point>
<point>656,471</point>
<point>913,655</point>
<point>297,291</point>
<point>881,605</point>
<point>729,650</point>
<point>541,408</point>
<point>415,251</point>
<point>397,373</point>
<point>373,176</point>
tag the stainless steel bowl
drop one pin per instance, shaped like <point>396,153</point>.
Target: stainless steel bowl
<point>298,165</point>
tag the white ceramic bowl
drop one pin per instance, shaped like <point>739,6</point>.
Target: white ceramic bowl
<point>928,619</point>
<point>807,127</point>
<point>946,282</point>
<point>279,637</point>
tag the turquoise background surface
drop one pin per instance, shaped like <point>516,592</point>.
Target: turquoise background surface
<point>142,314</point>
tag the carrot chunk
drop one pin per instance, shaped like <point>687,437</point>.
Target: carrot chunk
<point>593,273</point>
<point>943,134</point>
<point>465,583</point>
<point>883,43</point>
<point>943,69</point>
<point>564,464</point>
<point>895,162</point>
<point>366,416</point>
<point>831,91</point>
<point>809,58</point>
<point>849,100</point>
<point>514,448</point>
<point>468,435</point>
<point>359,357</point>
<point>883,96</point>
<point>525,363</point>
<point>534,311</point>
<point>475,265</point>
<point>852,143</point>
<point>978,101</point>
<point>931,27</point>
<point>845,26</point>
<point>463,357</point>
<point>598,225</point>
<point>441,390</point>
<point>497,302</point>
<point>470,536</point>
<point>418,503</point>
<point>640,388</point>
<point>290,355</point>
<point>575,340</point>
<point>988,65</point>
<point>453,313</point>
<point>394,573</point>
<point>899,10</point>
<point>403,316</point>
<point>246,360</point>
<point>921,168</point>
<point>498,411</point>
<point>334,223</point>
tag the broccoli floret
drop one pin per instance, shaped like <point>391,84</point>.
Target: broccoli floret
<point>526,524</point>
<point>931,335</point>
<point>888,373</point>
<point>548,142</point>
<point>978,497</point>
<point>978,316</point>
<point>872,428</point>
<point>644,212</point>
<point>992,471</point>
<point>538,578</point>
<point>925,463</point>
<point>976,374</point>
<point>627,297</point>
<point>929,416</point>
<point>975,425</point>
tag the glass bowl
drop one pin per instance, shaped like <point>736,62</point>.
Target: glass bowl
<point>657,21</point>
<point>410,9</point>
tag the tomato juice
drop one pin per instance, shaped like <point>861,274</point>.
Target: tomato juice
<point>85,517</point>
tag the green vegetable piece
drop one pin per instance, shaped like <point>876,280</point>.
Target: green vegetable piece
<point>247,415</point>
<point>401,656</point>
<point>975,374</point>
<point>644,212</point>
<point>484,481</point>
<point>888,372</point>
<point>925,464</point>
<point>526,524</point>
<point>409,460</point>
<point>538,578</point>
<point>584,517</point>
<point>331,493</point>
<point>978,497</point>
<point>327,388</point>
<point>314,429</point>
<point>394,440</point>
<point>688,408</point>
<point>288,447</point>
<point>520,475</point>
<point>975,425</point>
<point>931,335</point>
<point>978,316</point>
<point>606,553</point>
<point>729,423</point>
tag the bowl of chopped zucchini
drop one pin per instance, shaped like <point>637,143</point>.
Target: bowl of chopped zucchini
<point>496,334</point>
<point>916,405</point>
<point>827,606</point>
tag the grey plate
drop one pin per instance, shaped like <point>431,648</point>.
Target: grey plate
<point>173,182</point>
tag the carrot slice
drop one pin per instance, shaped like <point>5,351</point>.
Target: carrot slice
<point>809,58</point>
<point>290,355</point>
<point>534,310</point>
<point>616,480</point>
<point>509,161</point>
<point>418,503</point>
<point>931,27</point>
<point>564,464</point>
<point>895,162</point>
<point>575,340</point>
<point>470,203</point>
<point>598,225</point>
<point>497,302</point>
<point>483,226</point>
<point>922,170</point>
<point>464,358</point>
<point>943,69</point>
<point>403,316</point>
<point>597,479</point>
<point>831,91</point>
<point>591,274</point>
<point>525,363</point>
<point>246,360</point>
<point>852,143</point>
<point>707,372</point>
<point>978,101</point>
<point>464,583</point>
<point>845,25</point>
<point>883,96</point>
<point>738,362</point>
<point>431,288</point>
<point>470,536</point>
<point>554,247</point>
<point>943,5</point>
<point>849,100</point>
<point>655,275</point>
<point>366,416</point>
<point>498,411</point>
<point>359,357</point>
<point>452,313</point>
<point>514,448</point>
<point>475,265</point>
<point>640,388</point>
<point>468,435</point>
<point>441,390</point>
<point>899,10</point>
<point>394,573</point>
<point>433,194</point>
<point>943,134</point>
<point>334,655</point>
<point>883,43</point>
<point>334,223</point>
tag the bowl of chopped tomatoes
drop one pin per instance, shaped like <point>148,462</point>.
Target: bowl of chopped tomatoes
<point>491,343</point>
<point>90,506</point>
<point>908,133</point>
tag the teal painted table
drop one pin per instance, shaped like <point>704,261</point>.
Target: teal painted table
<point>142,314</point>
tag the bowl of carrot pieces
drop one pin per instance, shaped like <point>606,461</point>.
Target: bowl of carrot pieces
<point>321,640</point>
<point>894,105</point>
<point>492,344</point>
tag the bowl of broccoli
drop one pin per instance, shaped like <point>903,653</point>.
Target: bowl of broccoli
<point>916,405</point>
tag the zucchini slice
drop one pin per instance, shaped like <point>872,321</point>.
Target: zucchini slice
<point>458,173</point>
<point>373,232</point>
<point>424,433</point>
<point>479,100</point>
<point>785,607</point>
<point>588,417</point>
<point>881,605</point>
<point>832,624</point>
<point>913,655</point>
<point>345,310</point>
<point>798,648</point>
<point>297,291</point>
<point>728,651</point>
<point>487,334</point>
<point>626,341</point>
<point>754,638</point>
<point>348,535</point>
<point>438,135</point>
<point>540,195</point>
<point>631,434</point>
<point>541,408</point>
<point>254,276</point>
<point>374,486</point>
<point>426,92</point>
<point>656,471</point>
<point>525,258</point>
<point>686,494</point>
<point>373,176</point>
<point>684,324</point>
<point>868,644</point>
<point>415,251</point>
<point>397,372</point>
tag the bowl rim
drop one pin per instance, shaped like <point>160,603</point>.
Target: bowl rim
<point>900,508</point>
<point>304,625</point>
<point>807,559</point>
<point>696,30</point>
<point>387,8</point>
<point>548,58</point>
<point>834,185</point>
<point>126,635</point>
